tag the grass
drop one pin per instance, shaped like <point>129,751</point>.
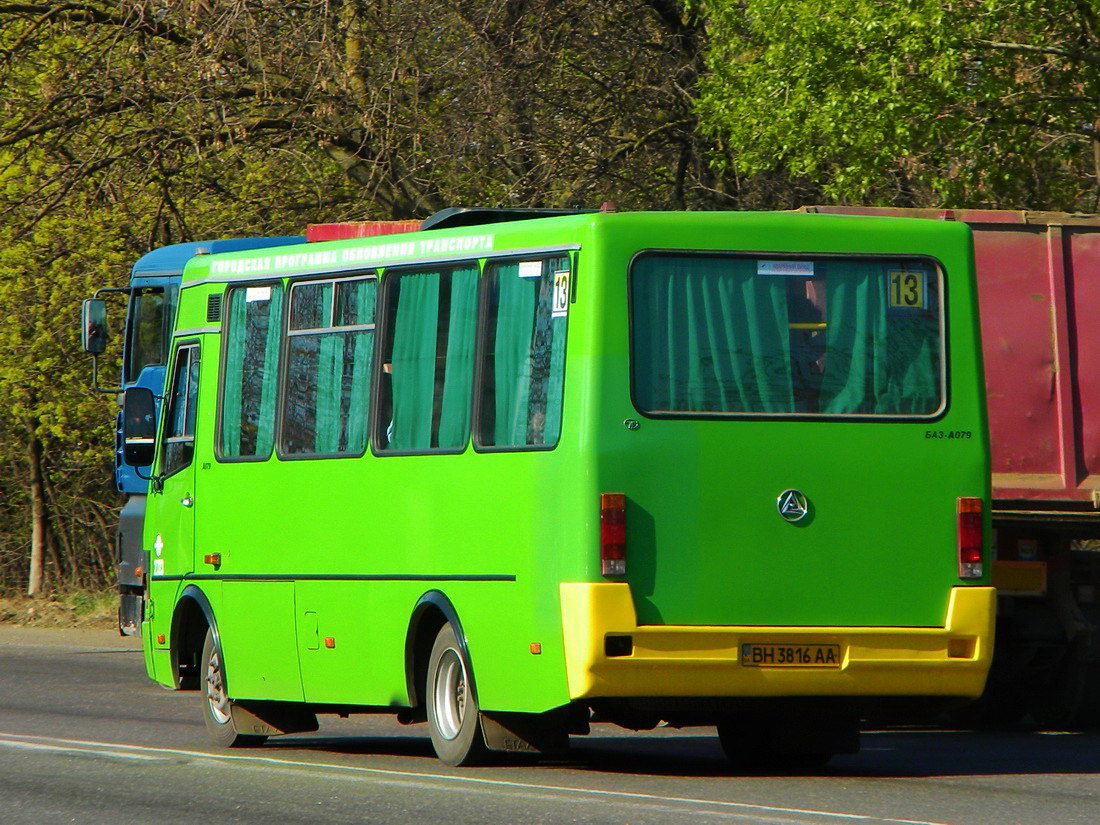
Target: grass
<point>78,608</point>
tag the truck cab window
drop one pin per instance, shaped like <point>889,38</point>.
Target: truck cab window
<point>146,344</point>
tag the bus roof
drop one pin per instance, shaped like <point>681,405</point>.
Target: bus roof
<point>514,236</point>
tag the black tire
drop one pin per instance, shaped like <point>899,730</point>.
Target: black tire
<point>1071,701</point>
<point>453,715</point>
<point>217,707</point>
<point>1001,707</point>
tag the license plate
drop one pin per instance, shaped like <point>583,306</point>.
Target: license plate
<point>779,655</point>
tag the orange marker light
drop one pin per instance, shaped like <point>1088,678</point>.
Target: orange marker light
<point>330,642</point>
<point>160,638</point>
<point>536,648</point>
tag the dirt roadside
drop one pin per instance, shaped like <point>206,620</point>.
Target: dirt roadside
<point>73,610</point>
<point>76,638</point>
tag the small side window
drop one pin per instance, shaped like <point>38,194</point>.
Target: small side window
<point>428,360</point>
<point>330,343</point>
<point>179,432</point>
<point>523,374</point>
<point>252,331</point>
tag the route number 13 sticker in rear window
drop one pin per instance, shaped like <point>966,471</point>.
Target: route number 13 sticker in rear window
<point>907,289</point>
<point>561,294</point>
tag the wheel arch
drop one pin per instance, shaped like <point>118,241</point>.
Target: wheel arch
<point>432,611</point>
<point>192,617</point>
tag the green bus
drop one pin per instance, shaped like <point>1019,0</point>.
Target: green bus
<point>515,472</point>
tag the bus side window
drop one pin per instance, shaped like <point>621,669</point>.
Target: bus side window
<point>326,394</point>
<point>522,379</point>
<point>179,434</point>
<point>428,360</point>
<point>252,330</point>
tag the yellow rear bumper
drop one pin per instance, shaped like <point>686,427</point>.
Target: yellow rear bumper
<point>704,661</point>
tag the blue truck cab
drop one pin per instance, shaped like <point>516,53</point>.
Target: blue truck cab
<point>150,316</point>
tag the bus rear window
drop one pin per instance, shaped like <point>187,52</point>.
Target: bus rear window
<point>725,334</point>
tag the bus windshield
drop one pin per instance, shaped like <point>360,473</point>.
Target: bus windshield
<point>145,330</point>
<point>726,334</point>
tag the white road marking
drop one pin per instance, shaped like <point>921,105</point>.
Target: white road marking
<point>430,781</point>
<point>7,742</point>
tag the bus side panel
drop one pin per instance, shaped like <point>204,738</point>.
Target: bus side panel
<point>355,559</point>
<point>256,628</point>
<point>340,661</point>
<point>489,532</point>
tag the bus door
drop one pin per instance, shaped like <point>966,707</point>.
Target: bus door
<point>172,503</point>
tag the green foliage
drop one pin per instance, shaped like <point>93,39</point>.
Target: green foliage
<point>912,102</point>
<point>130,124</point>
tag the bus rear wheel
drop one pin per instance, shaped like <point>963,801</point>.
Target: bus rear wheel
<point>453,714</point>
<point>217,706</point>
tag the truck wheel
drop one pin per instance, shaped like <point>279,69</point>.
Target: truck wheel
<point>1072,700</point>
<point>453,716</point>
<point>217,706</point>
<point>999,708</point>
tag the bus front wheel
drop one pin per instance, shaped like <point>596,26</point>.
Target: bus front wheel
<point>453,717</point>
<point>217,706</point>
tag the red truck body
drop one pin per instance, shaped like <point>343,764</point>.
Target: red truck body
<point>317,232</point>
<point>1039,292</point>
<point>1039,288</point>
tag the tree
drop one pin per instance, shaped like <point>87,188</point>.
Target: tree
<point>911,102</point>
<point>411,106</point>
<point>51,428</point>
<point>129,124</point>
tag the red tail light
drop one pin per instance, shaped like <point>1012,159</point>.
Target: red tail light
<point>613,534</point>
<point>970,538</point>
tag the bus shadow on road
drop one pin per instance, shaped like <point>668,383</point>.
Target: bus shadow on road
<point>885,754</point>
<point>922,753</point>
<point>413,746</point>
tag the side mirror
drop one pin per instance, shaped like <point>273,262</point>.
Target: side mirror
<point>93,326</point>
<point>139,426</point>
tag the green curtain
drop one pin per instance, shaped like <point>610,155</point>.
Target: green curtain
<point>555,383</point>
<point>856,375</point>
<point>414,348</point>
<point>315,311</point>
<point>454,416</point>
<point>265,421</point>
<point>913,346</point>
<point>710,335</point>
<point>362,352</point>
<point>330,385</point>
<point>235,353</point>
<point>515,323</point>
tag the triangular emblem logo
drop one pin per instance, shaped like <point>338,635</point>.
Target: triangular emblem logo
<point>792,505</point>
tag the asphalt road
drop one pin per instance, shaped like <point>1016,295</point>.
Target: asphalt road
<point>86,738</point>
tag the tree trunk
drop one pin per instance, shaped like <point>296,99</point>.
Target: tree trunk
<point>38,512</point>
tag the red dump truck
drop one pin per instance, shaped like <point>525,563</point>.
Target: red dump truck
<point>1039,290</point>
